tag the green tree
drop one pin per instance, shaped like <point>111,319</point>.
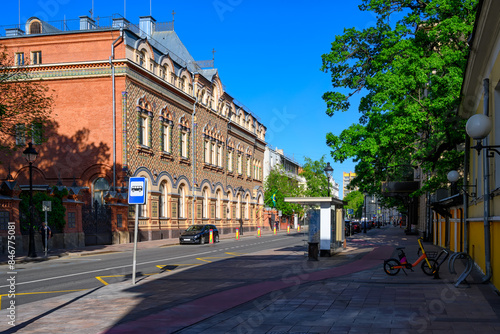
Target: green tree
<point>56,217</point>
<point>409,66</point>
<point>279,185</point>
<point>316,180</point>
<point>355,200</point>
<point>25,105</point>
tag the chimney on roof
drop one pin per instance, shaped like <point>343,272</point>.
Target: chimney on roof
<point>147,25</point>
<point>86,23</point>
<point>12,32</point>
<point>120,22</point>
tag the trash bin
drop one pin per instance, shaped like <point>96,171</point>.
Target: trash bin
<point>313,251</point>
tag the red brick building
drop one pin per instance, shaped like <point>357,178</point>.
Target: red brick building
<point>131,101</point>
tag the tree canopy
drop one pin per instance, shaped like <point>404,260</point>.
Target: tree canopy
<point>279,185</point>
<point>408,68</point>
<point>313,172</point>
<point>355,201</point>
<point>23,102</point>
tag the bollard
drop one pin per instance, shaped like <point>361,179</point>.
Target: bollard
<point>274,230</point>
<point>298,229</point>
<point>237,234</point>
<point>288,229</point>
<point>258,232</point>
<point>211,236</point>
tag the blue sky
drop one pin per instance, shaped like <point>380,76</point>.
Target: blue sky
<point>268,54</point>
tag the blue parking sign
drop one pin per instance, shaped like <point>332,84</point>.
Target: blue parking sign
<point>137,190</point>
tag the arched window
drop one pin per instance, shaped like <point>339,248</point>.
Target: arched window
<point>101,187</point>
<point>238,207</point>
<point>205,203</point>
<point>247,207</point>
<point>240,163</point>
<point>35,28</point>
<point>227,212</point>
<point>141,58</point>
<point>218,204</point>
<point>163,200</point>
<point>182,202</point>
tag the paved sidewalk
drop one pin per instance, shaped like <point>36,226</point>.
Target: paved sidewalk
<point>277,291</point>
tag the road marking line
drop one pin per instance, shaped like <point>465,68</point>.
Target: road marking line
<point>103,281</point>
<point>36,293</point>
<point>113,268</point>
<point>99,278</point>
<point>103,269</point>
<point>161,266</point>
<point>211,257</point>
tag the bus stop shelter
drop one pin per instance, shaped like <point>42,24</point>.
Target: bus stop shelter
<point>326,224</point>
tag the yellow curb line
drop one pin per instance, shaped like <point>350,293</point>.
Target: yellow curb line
<point>161,266</point>
<point>99,278</point>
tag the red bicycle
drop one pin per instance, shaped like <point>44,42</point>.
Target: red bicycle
<point>393,266</point>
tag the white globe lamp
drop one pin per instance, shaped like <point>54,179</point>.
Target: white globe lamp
<point>478,126</point>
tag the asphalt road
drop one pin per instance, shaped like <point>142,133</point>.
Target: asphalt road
<point>37,281</point>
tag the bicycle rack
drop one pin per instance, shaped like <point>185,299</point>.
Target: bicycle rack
<point>468,267</point>
<point>436,258</point>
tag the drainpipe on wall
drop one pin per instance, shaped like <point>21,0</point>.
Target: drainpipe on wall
<point>193,116</point>
<point>114,104</point>
<point>486,198</point>
<point>466,196</point>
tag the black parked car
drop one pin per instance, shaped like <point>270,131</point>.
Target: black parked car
<point>356,227</point>
<point>198,234</point>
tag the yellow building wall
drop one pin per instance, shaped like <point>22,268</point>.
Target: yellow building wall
<point>442,239</point>
<point>495,253</point>
<point>476,243</point>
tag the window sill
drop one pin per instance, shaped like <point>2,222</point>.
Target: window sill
<point>185,161</point>
<point>166,156</point>
<point>145,150</point>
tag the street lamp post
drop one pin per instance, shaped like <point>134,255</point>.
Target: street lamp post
<point>328,171</point>
<point>30,154</point>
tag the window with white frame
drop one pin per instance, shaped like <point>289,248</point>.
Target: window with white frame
<point>247,208</point>
<point>19,59</point>
<point>212,153</point>
<point>205,203</point>
<point>230,154</point>
<point>184,144</point>
<point>218,204</point>
<point>163,200</point>
<point>182,202</point>
<point>240,163</point>
<point>36,133</point>
<point>167,137</point>
<point>141,59</point>
<point>207,151</point>
<point>143,129</point>
<point>219,155</point>
<point>36,57</point>
<point>249,169</point>
<point>20,135</point>
<point>238,207</point>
